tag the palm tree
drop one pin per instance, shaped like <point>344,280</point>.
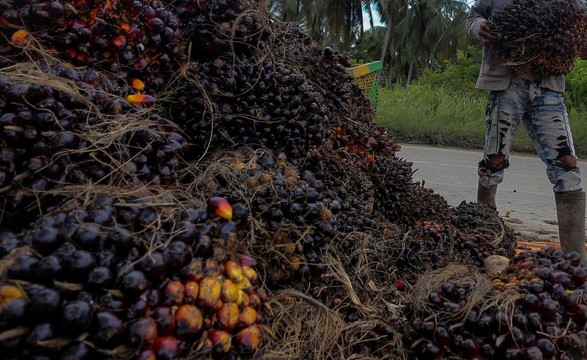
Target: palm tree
<point>335,23</point>
<point>418,33</point>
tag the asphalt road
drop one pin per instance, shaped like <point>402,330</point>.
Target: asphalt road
<point>525,199</point>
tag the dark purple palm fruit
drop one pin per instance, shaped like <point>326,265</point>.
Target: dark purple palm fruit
<point>134,283</point>
<point>14,313</point>
<point>48,269</point>
<point>154,264</point>
<point>176,255</point>
<point>121,238</point>
<point>107,330</point>
<point>90,236</point>
<point>76,317</point>
<point>99,278</point>
<point>79,265</point>
<point>23,267</point>
<point>41,332</point>
<point>45,239</point>
<point>76,350</point>
<point>45,303</point>
<point>8,242</point>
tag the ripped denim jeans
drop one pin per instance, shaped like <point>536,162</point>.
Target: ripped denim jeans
<point>545,119</point>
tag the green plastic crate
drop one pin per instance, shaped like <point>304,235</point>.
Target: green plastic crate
<point>366,77</point>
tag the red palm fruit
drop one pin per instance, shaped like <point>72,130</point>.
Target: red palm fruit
<point>188,320</point>
<point>165,320</point>
<point>254,300</point>
<point>242,299</point>
<point>119,42</point>
<point>207,346</point>
<point>20,37</point>
<point>7,293</point>
<point>233,271</point>
<point>248,316</point>
<point>142,331</point>
<point>191,292</point>
<point>246,260</point>
<point>220,207</point>
<point>166,348</point>
<point>210,292</point>
<point>141,99</point>
<point>202,4</point>
<point>250,274</point>
<point>221,341</point>
<point>173,293</point>
<point>194,271</point>
<point>229,291</point>
<point>137,84</point>
<point>148,354</point>
<point>249,339</point>
<point>245,285</point>
<point>228,316</point>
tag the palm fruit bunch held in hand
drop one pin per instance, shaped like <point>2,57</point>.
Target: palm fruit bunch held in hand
<point>540,37</point>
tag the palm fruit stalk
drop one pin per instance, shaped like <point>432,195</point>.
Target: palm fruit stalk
<point>538,37</point>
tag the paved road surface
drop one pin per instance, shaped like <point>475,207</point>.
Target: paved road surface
<point>525,199</point>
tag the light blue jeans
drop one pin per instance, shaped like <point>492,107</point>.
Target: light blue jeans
<point>545,119</point>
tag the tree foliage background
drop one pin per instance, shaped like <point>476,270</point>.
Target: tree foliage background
<point>417,34</point>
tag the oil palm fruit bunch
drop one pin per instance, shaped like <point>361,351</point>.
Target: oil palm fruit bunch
<point>63,126</point>
<point>295,216</point>
<point>107,279</point>
<point>263,104</point>
<point>400,199</point>
<point>282,204</point>
<point>434,245</point>
<point>535,310</point>
<point>130,39</point>
<point>470,217</point>
<point>540,37</point>
<point>223,28</point>
<point>287,103</point>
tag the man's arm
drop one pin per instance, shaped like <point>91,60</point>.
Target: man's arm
<point>478,23</point>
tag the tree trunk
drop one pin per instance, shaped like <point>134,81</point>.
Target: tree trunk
<point>410,70</point>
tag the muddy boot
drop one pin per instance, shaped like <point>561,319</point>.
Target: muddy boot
<point>486,195</point>
<point>570,211</point>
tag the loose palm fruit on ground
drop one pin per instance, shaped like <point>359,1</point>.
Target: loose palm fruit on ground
<point>220,207</point>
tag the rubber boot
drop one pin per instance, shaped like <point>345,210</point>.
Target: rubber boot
<point>486,195</point>
<point>570,212</point>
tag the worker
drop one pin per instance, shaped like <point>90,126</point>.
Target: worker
<point>539,104</point>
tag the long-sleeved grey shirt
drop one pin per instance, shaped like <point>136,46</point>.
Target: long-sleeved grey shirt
<point>493,75</point>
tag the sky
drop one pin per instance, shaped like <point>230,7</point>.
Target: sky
<point>376,20</point>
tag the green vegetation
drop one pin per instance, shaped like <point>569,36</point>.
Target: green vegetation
<point>445,109</point>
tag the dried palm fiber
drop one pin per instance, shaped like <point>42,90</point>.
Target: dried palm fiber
<point>540,37</point>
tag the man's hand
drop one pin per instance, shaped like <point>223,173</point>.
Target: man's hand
<point>484,35</point>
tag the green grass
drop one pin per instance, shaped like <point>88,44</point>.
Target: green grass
<point>427,115</point>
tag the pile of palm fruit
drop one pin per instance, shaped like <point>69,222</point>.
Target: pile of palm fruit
<point>540,37</point>
<point>534,310</point>
<point>193,179</point>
